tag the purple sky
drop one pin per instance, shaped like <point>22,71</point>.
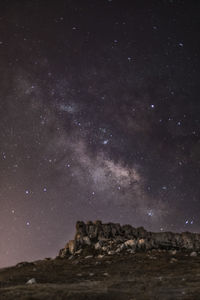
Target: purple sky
<point>100,119</point>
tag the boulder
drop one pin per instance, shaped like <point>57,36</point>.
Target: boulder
<point>130,243</point>
<point>86,240</point>
<point>193,254</point>
<point>72,246</point>
<point>31,281</point>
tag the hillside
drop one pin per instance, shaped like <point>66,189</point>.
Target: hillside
<point>103,263</point>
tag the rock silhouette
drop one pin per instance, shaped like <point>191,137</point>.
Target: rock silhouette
<point>112,238</point>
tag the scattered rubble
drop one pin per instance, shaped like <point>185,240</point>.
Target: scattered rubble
<point>31,281</point>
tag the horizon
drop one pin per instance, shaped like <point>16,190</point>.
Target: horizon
<point>55,253</point>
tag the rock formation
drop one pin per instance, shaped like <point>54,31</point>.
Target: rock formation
<point>111,238</point>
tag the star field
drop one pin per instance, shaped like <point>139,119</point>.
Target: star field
<point>100,119</point>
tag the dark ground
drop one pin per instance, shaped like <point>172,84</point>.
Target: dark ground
<point>156,275</point>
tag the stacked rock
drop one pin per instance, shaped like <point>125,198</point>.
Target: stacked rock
<point>112,238</point>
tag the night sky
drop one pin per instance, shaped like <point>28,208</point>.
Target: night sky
<point>99,119</point>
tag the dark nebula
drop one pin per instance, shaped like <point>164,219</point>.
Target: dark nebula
<point>99,119</point>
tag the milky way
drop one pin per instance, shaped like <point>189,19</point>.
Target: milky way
<point>100,119</point>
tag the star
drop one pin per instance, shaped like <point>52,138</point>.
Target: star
<point>99,120</point>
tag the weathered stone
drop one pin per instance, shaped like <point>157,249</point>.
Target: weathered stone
<point>193,254</point>
<point>80,227</point>
<point>98,222</point>
<point>120,239</point>
<point>122,246</point>
<point>118,250</point>
<point>79,251</point>
<point>72,246</point>
<point>173,260</point>
<point>64,252</point>
<point>107,230</point>
<point>86,240</point>
<point>89,256</point>
<point>79,238</point>
<point>131,251</point>
<point>141,244</point>
<point>97,246</point>
<point>141,232</point>
<point>127,231</point>
<point>31,281</point>
<point>104,248</point>
<point>92,230</point>
<point>111,252</point>
<point>112,237</point>
<point>130,243</point>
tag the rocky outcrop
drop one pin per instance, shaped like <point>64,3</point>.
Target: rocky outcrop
<point>111,238</point>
